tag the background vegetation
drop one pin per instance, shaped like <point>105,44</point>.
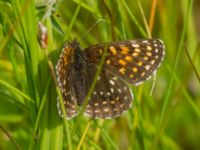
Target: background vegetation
<point>169,119</point>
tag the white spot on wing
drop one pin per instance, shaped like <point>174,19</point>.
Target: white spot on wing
<point>147,67</point>
<point>119,90</point>
<point>145,41</point>
<point>135,45</point>
<point>112,82</point>
<point>97,111</point>
<point>114,78</point>
<point>156,50</point>
<point>125,88</point>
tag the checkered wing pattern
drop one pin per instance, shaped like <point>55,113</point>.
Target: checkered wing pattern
<point>134,60</point>
<point>110,97</point>
<point>62,71</point>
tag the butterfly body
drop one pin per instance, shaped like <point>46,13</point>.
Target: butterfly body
<point>131,61</point>
<point>77,76</point>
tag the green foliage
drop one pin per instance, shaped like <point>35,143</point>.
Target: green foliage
<point>169,119</point>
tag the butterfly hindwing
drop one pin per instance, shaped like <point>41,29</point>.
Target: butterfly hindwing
<point>62,71</point>
<point>111,95</point>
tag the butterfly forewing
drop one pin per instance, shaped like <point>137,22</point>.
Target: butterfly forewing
<point>133,60</point>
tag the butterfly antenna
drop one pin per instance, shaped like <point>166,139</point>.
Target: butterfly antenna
<point>153,85</point>
<point>99,20</point>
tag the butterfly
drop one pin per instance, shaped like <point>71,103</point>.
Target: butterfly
<point>126,62</point>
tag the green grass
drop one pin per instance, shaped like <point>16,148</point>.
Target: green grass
<point>169,119</point>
